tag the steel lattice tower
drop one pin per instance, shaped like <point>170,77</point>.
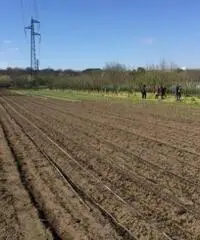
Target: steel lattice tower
<point>34,62</point>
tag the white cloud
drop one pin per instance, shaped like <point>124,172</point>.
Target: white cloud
<point>184,68</point>
<point>15,49</point>
<point>7,41</point>
<point>147,40</point>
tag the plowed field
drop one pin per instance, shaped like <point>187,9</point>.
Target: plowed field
<point>98,170</point>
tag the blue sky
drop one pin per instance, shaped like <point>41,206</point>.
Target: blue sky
<point>79,34</point>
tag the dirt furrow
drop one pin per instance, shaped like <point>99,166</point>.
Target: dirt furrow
<point>163,150</point>
<point>62,209</point>
<point>176,116</point>
<point>103,196</point>
<point>117,179</point>
<point>20,218</point>
<point>151,126</point>
<point>122,149</point>
<point>185,168</point>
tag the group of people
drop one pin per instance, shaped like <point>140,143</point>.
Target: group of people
<point>161,91</point>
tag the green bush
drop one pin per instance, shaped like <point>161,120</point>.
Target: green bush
<point>5,81</point>
<point>114,77</point>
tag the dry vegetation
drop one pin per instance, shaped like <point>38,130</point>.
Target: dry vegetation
<point>114,77</point>
<point>98,170</point>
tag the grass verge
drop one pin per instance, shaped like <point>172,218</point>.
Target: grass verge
<point>74,95</point>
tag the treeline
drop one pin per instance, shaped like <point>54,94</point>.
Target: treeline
<point>113,77</point>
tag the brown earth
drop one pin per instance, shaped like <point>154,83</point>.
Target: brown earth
<point>102,170</point>
<point>20,218</point>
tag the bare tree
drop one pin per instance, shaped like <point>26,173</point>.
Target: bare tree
<point>116,73</point>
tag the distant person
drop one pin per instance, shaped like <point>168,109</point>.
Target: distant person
<point>163,92</point>
<point>157,92</point>
<point>144,92</point>
<point>178,92</point>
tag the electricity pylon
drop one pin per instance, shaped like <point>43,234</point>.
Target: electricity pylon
<point>34,63</point>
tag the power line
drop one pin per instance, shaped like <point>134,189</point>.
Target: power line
<point>22,11</point>
<point>23,15</point>
<point>36,9</point>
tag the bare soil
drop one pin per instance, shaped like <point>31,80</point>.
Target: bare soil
<point>102,170</point>
<point>20,218</point>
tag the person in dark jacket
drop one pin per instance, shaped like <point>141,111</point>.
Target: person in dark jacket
<point>178,92</point>
<point>157,92</point>
<point>163,92</point>
<point>144,92</point>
